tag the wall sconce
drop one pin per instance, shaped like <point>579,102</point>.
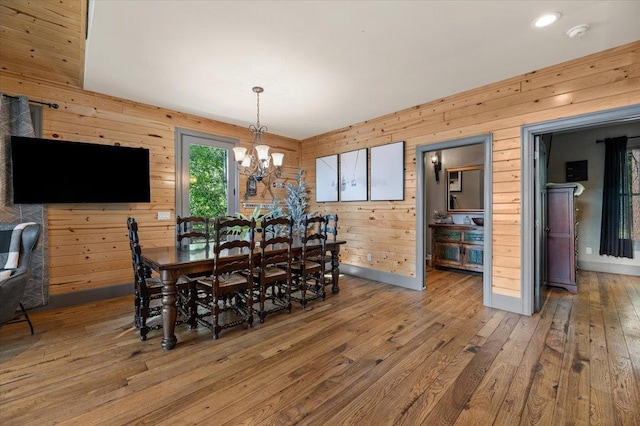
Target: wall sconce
<point>436,166</point>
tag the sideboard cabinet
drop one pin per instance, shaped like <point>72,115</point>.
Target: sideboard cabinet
<point>457,246</point>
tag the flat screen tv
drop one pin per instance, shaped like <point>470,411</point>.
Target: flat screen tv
<point>54,171</point>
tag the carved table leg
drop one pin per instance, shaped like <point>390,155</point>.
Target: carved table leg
<point>169,310</point>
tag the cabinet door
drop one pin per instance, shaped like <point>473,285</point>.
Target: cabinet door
<point>560,237</point>
<point>473,257</point>
<point>448,254</point>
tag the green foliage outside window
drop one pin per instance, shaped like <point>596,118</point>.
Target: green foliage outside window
<point>208,181</point>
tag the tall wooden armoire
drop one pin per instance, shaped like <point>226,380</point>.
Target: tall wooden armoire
<point>562,234</point>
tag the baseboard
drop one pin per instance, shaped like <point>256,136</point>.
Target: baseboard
<point>610,268</point>
<point>384,277</point>
<point>506,303</point>
<point>86,296</point>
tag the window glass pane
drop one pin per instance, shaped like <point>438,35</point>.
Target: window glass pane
<point>208,190</point>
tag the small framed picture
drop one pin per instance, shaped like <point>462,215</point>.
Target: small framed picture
<point>455,181</point>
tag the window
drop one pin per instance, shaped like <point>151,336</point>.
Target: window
<point>205,175</point>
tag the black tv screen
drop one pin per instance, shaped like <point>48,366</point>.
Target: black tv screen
<point>54,171</point>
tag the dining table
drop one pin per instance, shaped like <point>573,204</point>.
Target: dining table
<point>173,262</point>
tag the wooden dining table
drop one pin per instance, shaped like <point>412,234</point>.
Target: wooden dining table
<point>172,262</point>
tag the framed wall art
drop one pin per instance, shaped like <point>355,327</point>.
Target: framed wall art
<point>387,172</point>
<point>327,178</point>
<point>353,175</point>
<point>455,181</point>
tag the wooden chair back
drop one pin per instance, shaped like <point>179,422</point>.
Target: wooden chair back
<point>227,241</point>
<point>331,226</point>
<point>140,271</point>
<point>192,229</point>
<point>145,288</point>
<point>277,233</point>
<point>314,240</point>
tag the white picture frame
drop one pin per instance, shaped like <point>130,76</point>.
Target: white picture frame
<point>387,172</point>
<point>327,178</point>
<point>353,175</point>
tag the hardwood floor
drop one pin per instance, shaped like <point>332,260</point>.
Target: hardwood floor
<point>372,355</point>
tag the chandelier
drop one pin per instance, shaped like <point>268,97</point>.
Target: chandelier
<point>257,163</point>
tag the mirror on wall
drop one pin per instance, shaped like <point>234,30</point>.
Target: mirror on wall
<point>465,189</point>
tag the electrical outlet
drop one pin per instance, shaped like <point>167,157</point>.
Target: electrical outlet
<point>369,257</point>
<point>164,215</point>
<point>587,250</point>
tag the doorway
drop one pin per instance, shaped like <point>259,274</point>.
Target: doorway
<point>541,162</point>
<point>424,172</point>
<point>206,178</point>
<point>532,257</point>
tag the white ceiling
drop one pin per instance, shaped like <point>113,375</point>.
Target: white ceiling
<point>328,64</point>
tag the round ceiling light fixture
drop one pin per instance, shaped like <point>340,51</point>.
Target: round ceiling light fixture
<point>578,30</point>
<point>546,19</point>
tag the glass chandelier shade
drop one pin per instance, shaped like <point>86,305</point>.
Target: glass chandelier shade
<point>257,163</point>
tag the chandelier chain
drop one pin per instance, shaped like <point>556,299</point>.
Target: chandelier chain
<point>258,109</point>
<point>257,128</point>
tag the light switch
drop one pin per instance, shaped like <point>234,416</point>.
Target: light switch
<point>164,215</point>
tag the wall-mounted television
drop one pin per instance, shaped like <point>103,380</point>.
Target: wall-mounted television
<point>55,171</point>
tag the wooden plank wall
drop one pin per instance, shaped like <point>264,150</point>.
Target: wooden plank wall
<point>44,39</point>
<point>598,82</point>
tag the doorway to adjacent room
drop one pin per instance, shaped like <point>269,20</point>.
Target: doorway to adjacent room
<point>426,199</point>
<point>206,178</point>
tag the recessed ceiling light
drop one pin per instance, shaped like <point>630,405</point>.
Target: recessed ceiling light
<point>546,19</point>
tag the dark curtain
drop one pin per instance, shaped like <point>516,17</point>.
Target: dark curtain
<point>616,226</point>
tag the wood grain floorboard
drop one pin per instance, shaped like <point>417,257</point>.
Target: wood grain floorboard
<point>374,354</point>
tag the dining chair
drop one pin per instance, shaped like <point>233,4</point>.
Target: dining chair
<point>192,229</point>
<point>331,232</point>
<point>272,276</point>
<point>229,289</point>
<point>148,288</point>
<point>308,270</point>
